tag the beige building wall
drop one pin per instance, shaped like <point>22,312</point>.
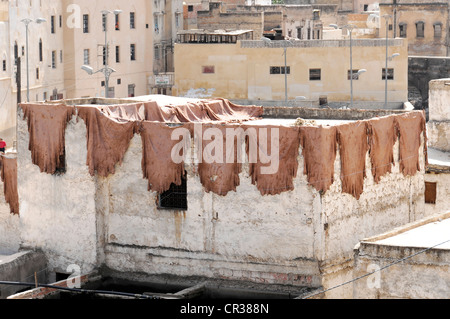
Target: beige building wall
<point>408,13</point>
<point>45,77</point>
<point>242,70</point>
<point>128,72</point>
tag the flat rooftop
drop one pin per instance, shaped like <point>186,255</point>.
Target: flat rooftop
<point>435,233</point>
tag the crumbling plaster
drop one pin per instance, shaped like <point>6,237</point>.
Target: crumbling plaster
<point>298,237</point>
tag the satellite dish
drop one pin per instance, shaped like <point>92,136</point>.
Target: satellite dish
<point>373,21</point>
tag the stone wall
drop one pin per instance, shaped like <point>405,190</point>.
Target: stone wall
<point>299,237</point>
<point>423,69</point>
<point>424,276</point>
<point>9,227</point>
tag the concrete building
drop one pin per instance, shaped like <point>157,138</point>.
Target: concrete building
<point>420,250</point>
<point>139,58</point>
<point>437,180</point>
<point>42,73</point>
<point>167,21</point>
<point>423,23</point>
<point>300,238</point>
<point>254,71</point>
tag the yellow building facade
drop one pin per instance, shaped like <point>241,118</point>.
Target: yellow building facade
<point>316,70</point>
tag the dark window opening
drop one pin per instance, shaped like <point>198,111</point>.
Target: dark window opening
<point>132,52</point>
<point>430,193</point>
<point>61,276</point>
<point>437,30</point>
<point>40,51</point>
<point>190,8</point>
<point>132,20</point>
<point>420,27</point>
<point>280,70</point>
<point>175,197</point>
<point>117,27</point>
<point>275,70</point>
<point>208,69</point>
<point>354,75</point>
<point>390,74</point>
<point>402,28</point>
<point>61,168</point>
<point>85,23</point>
<point>52,24</point>
<point>4,65</point>
<point>314,74</point>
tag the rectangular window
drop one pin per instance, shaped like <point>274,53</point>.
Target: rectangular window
<point>52,24</point>
<point>37,73</point>
<point>40,50</point>
<point>116,23</point>
<point>177,20</point>
<point>156,52</point>
<point>104,55</point>
<point>53,59</point>
<point>430,193</point>
<point>402,30</point>
<point>175,197</point>
<point>420,27</point>
<point>300,33</point>
<point>314,74</point>
<point>190,8</point>
<point>4,65</point>
<point>390,74</point>
<point>132,20</point>
<point>60,56</point>
<point>275,70</point>
<point>208,69</point>
<point>280,70</point>
<point>85,23</point>
<point>133,52</point>
<point>103,22</point>
<point>86,56</point>
<point>117,54</point>
<point>60,21</point>
<point>355,74</point>
<point>437,30</point>
<point>131,90</point>
<point>156,21</point>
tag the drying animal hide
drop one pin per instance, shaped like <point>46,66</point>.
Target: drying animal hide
<point>382,138</point>
<point>9,178</point>
<point>220,173</point>
<point>46,126</point>
<point>409,127</point>
<point>353,146</point>
<point>281,157</point>
<point>158,165</point>
<point>107,140</point>
<point>319,152</point>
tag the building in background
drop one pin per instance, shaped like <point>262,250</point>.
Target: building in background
<point>138,61</point>
<point>423,23</point>
<point>253,70</point>
<point>167,22</point>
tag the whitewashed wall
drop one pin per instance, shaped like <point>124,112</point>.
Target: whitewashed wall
<point>90,221</point>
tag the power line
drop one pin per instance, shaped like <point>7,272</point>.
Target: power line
<point>371,273</point>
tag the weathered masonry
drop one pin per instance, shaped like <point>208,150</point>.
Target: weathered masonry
<point>93,194</point>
